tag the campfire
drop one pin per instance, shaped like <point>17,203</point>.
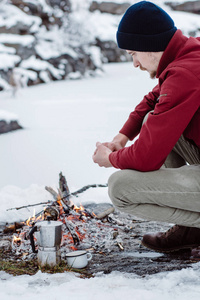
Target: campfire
<point>82,229</point>
<point>97,228</point>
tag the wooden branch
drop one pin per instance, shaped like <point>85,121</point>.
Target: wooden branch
<point>29,205</point>
<point>52,192</point>
<point>85,188</point>
<point>69,225</point>
<point>13,227</point>
<point>64,188</point>
<point>105,213</point>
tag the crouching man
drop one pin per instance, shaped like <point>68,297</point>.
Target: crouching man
<point>160,172</point>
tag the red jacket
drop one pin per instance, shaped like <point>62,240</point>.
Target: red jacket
<point>175,102</point>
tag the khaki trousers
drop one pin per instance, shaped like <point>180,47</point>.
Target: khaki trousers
<point>170,194</point>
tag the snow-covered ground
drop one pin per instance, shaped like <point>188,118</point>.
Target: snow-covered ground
<point>177,285</point>
<point>63,121</point>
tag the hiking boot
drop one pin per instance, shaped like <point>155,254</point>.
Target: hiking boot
<point>174,239</point>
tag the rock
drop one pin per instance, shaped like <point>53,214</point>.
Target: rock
<point>109,7</point>
<point>111,52</point>
<point>5,244</point>
<point>43,41</point>
<point>65,5</point>
<point>23,45</point>
<point>8,126</point>
<point>16,21</point>
<point>189,6</point>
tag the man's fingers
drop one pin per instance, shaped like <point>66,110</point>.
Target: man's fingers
<point>98,144</point>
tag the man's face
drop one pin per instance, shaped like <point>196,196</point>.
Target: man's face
<point>146,61</point>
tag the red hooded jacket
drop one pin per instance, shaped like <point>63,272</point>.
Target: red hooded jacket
<point>175,102</point>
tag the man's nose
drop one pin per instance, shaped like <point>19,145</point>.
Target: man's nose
<point>135,62</point>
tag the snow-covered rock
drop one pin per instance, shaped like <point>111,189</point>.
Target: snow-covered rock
<point>8,122</point>
<point>51,40</point>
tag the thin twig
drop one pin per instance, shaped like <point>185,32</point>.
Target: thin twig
<point>85,188</point>
<point>25,206</point>
<point>56,195</point>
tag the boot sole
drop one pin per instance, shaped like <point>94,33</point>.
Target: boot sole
<point>171,250</point>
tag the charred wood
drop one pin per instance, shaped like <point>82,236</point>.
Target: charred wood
<point>69,225</point>
<point>64,189</point>
<point>13,227</point>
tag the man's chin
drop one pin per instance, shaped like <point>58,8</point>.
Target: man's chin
<point>152,75</point>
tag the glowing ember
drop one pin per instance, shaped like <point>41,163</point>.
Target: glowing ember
<point>17,240</point>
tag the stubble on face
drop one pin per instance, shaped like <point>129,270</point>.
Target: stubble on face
<point>151,73</point>
<point>150,60</point>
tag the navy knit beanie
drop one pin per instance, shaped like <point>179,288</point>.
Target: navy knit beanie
<point>145,27</point>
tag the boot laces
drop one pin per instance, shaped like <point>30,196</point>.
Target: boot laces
<point>171,230</point>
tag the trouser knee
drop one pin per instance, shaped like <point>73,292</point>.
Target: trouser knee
<point>117,190</point>
<point>113,183</point>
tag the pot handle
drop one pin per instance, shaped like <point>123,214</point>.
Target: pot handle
<point>34,229</point>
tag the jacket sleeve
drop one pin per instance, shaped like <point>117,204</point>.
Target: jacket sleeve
<point>134,123</point>
<point>179,100</point>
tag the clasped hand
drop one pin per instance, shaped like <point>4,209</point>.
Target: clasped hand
<point>101,155</point>
<point>103,150</point>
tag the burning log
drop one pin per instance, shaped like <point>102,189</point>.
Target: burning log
<point>52,212</point>
<point>69,225</point>
<point>13,227</point>
<point>58,198</point>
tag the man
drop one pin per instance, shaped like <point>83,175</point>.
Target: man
<point>170,135</point>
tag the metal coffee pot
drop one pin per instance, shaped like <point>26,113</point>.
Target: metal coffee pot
<point>48,234</point>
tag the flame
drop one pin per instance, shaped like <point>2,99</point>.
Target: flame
<point>17,240</point>
<point>73,248</point>
<point>78,209</point>
<point>61,209</point>
<point>34,219</point>
<point>76,214</point>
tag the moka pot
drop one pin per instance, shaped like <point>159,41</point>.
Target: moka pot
<point>48,234</point>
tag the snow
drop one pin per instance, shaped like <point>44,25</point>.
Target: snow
<point>8,116</point>
<point>9,38</point>
<point>95,54</point>
<point>53,44</point>
<point>63,121</point>
<point>37,64</point>
<point>4,49</point>
<point>11,15</point>
<point>4,84</point>
<point>184,285</point>
<point>82,28</point>
<point>8,61</point>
